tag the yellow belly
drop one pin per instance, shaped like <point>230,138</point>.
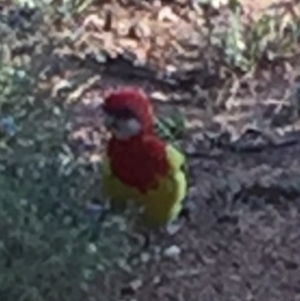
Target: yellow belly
<point>161,205</point>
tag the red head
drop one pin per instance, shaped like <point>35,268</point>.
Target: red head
<point>128,113</point>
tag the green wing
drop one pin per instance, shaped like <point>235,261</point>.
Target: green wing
<point>176,158</point>
<point>170,128</point>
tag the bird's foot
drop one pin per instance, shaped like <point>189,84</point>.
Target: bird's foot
<point>147,241</point>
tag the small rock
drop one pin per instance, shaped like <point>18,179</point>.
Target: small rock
<point>217,4</point>
<point>171,69</point>
<point>173,229</point>
<point>124,266</point>
<point>159,96</point>
<point>136,284</point>
<point>249,296</point>
<point>208,260</point>
<point>235,278</point>
<point>92,248</point>
<point>156,280</point>
<point>173,251</point>
<point>131,288</point>
<point>145,257</point>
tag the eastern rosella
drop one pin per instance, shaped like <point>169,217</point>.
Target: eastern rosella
<point>138,165</point>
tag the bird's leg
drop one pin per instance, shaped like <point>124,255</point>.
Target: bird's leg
<point>185,213</point>
<point>144,233</point>
<point>147,240</point>
<point>95,210</point>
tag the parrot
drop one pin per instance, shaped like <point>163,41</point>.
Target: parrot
<point>137,164</point>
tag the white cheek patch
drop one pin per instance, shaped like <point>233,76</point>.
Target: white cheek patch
<point>133,126</point>
<point>127,128</point>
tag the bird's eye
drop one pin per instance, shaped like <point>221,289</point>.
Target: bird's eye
<point>120,113</point>
<point>105,109</point>
<point>125,114</point>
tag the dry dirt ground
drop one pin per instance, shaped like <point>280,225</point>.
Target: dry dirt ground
<point>242,241</point>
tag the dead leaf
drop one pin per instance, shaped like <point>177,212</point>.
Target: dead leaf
<point>61,85</point>
<point>143,30</point>
<point>78,93</point>
<point>94,22</point>
<point>128,43</point>
<point>167,14</point>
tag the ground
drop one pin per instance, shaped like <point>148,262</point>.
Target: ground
<point>242,239</point>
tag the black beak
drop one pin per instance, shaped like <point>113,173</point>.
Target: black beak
<point>110,122</point>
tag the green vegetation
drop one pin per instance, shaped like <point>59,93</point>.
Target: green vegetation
<point>50,248</point>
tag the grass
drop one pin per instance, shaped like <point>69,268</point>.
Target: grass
<point>50,249</point>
